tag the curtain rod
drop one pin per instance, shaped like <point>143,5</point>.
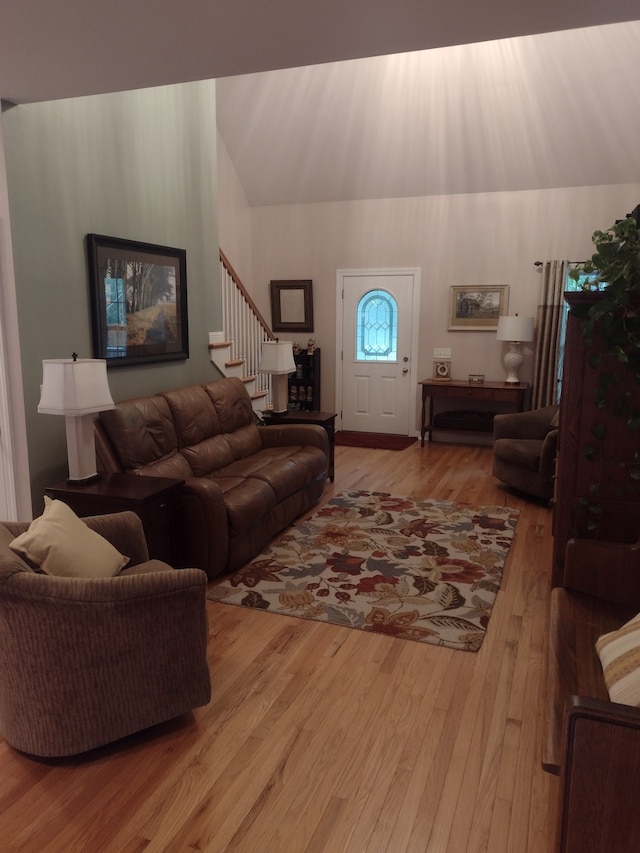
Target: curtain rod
<point>540,263</point>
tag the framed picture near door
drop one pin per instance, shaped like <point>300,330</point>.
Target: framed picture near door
<point>476,308</point>
<point>292,305</point>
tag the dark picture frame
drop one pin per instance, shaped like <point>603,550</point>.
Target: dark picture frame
<point>292,305</point>
<point>138,295</point>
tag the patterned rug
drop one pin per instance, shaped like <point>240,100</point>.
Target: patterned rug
<point>423,570</point>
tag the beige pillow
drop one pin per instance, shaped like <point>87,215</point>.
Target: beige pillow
<point>619,654</point>
<point>61,544</point>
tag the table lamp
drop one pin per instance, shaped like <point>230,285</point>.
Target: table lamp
<point>277,359</point>
<point>76,388</point>
<point>515,330</point>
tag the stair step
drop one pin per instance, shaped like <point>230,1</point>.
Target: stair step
<point>234,362</point>
<point>247,379</point>
<point>258,395</point>
<point>220,345</point>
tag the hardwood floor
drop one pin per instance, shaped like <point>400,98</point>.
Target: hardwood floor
<point>321,738</point>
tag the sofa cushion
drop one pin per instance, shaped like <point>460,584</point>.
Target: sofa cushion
<point>619,653</point>
<point>141,431</point>
<point>521,452</point>
<point>194,416</point>
<point>61,544</point>
<point>232,403</point>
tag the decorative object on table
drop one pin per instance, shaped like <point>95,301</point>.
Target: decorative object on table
<point>311,346</point>
<point>138,301</point>
<point>292,305</point>
<point>78,389</point>
<point>476,378</point>
<point>442,370</point>
<point>515,330</point>
<point>422,570</point>
<point>477,309</point>
<point>277,359</point>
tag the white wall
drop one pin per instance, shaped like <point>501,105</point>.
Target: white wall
<point>139,165</point>
<point>456,240</point>
<point>235,225</point>
<point>15,494</point>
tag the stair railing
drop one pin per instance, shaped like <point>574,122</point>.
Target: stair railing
<point>244,326</point>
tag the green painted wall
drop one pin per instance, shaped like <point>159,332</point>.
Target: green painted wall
<point>139,165</point>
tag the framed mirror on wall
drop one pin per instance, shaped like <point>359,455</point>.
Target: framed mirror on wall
<point>292,305</point>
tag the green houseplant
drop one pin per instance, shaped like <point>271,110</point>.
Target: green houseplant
<point>611,330</point>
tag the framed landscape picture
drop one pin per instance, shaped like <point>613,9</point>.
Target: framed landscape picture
<point>138,301</point>
<point>477,308</point>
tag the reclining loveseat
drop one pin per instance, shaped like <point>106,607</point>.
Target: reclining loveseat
<point>243,483</point>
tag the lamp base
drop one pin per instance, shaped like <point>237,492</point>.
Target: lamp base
<point>81,448</point>
<point>279,392</point>
<point>513,362</point>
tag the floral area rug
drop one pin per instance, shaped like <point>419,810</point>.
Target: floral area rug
<point>423,570</point>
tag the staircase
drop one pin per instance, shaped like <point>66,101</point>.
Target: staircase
<point>236,351</point>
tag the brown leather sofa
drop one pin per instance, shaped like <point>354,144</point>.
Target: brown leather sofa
<point>244,483</point>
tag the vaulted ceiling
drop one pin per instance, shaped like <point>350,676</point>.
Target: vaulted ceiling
<point>420,115</point>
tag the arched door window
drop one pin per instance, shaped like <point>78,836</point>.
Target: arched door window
<point>377,327</point>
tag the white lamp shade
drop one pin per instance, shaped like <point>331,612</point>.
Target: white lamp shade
<point>74,388</point>
<point>277,357</point>
<point>515,329</point>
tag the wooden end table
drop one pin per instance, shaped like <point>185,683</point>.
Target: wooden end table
<point>155,500</point>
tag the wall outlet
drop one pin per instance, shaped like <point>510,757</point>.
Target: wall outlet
<point>440,352</point>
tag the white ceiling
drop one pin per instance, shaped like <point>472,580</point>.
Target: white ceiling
<point>554,110</point>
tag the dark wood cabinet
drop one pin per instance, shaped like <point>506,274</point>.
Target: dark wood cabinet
<point>304,384</point>
<point>575,471</point>
<point>155,500</point>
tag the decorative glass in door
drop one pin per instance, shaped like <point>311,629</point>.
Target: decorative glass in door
<point>377,327</point>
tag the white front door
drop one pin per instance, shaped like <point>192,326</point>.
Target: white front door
<point>377,338</point>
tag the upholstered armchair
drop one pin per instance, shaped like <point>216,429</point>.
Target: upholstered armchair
<point>524,450</point>
<point>89,660</point>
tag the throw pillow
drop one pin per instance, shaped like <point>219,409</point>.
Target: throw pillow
<point>619,653</point>
<point>61,544</point>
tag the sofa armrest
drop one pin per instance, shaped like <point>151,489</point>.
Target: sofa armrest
<point>600,777</point>
<point>288,435</point>
<point>204,539</point>
<point>534,424</point>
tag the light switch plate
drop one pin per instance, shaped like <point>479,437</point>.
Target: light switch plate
<point>440,352</point>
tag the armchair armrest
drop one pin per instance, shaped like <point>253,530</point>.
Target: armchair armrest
<point>534,424</point>
<point>548,453</point>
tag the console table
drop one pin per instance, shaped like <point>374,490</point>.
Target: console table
<point>499,392</point>
<point>156,500</point>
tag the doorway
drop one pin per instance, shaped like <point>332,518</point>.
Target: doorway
<point>376,338</point>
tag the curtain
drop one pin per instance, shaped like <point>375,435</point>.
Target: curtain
<point>549,328</point>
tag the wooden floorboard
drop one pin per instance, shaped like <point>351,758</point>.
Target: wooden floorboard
<point>326,739</point>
